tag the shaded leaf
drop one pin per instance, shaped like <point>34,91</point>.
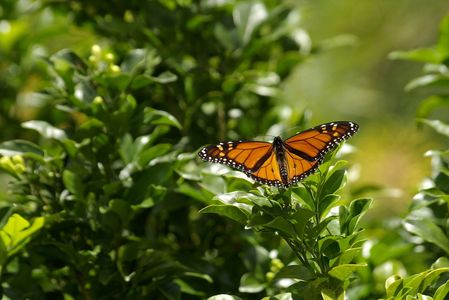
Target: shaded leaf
<point>229,211</point>
<point>20,147</point>
<point>295,271</point>
<point>342,272</point>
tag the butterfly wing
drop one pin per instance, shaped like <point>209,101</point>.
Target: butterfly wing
<point>305,151</point>
<point>256,159</point>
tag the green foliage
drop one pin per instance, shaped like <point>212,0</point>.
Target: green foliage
<point>429,215</point>
<point>313,221</point>
<point>108,160</point>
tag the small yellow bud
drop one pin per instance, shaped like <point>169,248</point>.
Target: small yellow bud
<point>96,50</point>
<point>270,276</point>
<point>93,59</point>
<point>128,16</point>
<point>6,163</point>
<point>17,159</point>
<point>109,57</point>
<point>19,168</point>
<point>114,69</point>
<point>98,100</point>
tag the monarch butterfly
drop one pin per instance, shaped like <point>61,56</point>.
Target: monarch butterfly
<point>281,163</point>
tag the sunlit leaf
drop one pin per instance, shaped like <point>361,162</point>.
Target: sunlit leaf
<point>428,231</point>
<point>247,16</point>
<point>343,271</point>
<point>229,211</point>
<point>224,297</point>
<point>437,125</point>
<point>45,129</point>
<point>159,117</point>
<point>17,232</point>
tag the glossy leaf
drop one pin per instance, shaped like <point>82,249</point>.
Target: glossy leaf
<point>224,297</point>
<point>343,271</point>
<point>45,129</point>
<point>428,231</point>
<point>437,125</point>
<point>231,212</point>
<point>18,231</point>
<point>158,117</point>
<point>247,16</point>
<point>20,147</point>
<point>296,272</point>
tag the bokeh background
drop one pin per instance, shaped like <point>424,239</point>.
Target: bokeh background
<point>358,81</point>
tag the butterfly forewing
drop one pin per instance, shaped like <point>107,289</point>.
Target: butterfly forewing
<point>239,154</point>
<point>317,141</point>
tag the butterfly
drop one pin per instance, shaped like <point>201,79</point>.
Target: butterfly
<point>281,163</point>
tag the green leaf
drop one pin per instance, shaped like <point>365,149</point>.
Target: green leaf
<point>442,292</point>
<point>428,80</point>
<point>428,105</point>
<point>300,219</point>
<point>443,40</point>
<point>165,77</point>
<point>283,296</point>
<point>297,272</point>
<point>327,203</point>
<point>140,60</point>
<point>302,195</point>
<point>159,117</point>
<point>17,232</point>
<point>250,284</point>
<point>334,182</point>
<point>85,92</point>
<point>418,283</point>
<point>45,129</point>
<point>342,272</point>
<point>73,182</point>
<point>229,211</point>
<point>224,297</point>
<point>281,224</point>
<point>393,285</point>
<point>347,256</point>
<point>437,125</point>
<point>247,16</point>
<point>149,154</point>
<point>20,147</point>
<point>72,58</point>
<point>429,55</point>
<point>357,209</point>
<point>428,231</point>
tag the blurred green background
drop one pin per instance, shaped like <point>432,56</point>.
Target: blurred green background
<point>357,81</point>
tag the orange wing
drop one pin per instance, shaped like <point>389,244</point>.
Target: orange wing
<point>285,162</point>
<point>256,159</point>
<point>305,151</point>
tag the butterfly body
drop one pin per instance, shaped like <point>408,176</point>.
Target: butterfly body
<point>281,163</point>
